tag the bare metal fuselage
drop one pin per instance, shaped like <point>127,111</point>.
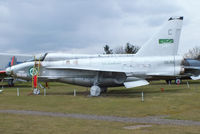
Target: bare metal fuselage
<point>111,71</point>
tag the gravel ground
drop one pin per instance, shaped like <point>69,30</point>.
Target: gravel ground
<point>146,120</point>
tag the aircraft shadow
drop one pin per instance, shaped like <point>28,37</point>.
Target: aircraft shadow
<point>82,93</point>
<point>16,86</point>
<point>136,93</point>
<point>123,93</point>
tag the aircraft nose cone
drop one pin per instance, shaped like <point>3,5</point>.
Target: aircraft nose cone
<point>8,71</point>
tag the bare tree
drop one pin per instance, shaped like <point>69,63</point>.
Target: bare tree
<point>128,49</point>
<point>193,53</point>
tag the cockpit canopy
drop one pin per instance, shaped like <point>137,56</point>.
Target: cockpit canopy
<point>39,57</point>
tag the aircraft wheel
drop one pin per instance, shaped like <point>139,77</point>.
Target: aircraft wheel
<point>95,91</point>
<point>36,91</point>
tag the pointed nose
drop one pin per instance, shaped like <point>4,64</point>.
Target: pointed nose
<point>9,71</point>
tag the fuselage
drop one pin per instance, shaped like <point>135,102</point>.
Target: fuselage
<point>113,70</point>
<point>157,59</point>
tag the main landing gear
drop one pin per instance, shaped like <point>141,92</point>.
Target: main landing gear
<point>10,83</point>
<point>96,90</point>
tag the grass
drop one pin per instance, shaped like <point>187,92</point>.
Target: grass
<point>177,101</point>
<point>24,124</point>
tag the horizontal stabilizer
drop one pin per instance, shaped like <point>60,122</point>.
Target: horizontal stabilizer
<point>137,83</point>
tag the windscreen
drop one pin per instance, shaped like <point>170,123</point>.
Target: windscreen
<point>38,57</point>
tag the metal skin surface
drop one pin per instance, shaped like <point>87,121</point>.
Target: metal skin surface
<point>64,56</point>
<point>123,69</point>
<point>157,59</point>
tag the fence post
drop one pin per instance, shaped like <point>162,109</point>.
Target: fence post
<point>142,97</point>
<point>74,92</point>
<point>17,91</point>
<point>188,84</point>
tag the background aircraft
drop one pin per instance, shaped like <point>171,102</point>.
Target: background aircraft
<point>157,59</point>
<point>8,60</point>
<point>191,71</point>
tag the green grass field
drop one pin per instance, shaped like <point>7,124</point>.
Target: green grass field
<point>177,101</point>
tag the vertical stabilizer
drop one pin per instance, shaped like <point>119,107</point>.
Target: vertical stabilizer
<point>165,42</point>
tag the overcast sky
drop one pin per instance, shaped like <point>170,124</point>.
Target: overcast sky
<point>85,26</point>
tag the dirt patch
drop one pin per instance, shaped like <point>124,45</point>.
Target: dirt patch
<point>141,120</point>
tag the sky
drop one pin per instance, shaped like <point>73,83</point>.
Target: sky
<point>86,26</point>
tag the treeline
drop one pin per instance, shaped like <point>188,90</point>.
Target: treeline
<point>128,49</point>
<point>193,53</point>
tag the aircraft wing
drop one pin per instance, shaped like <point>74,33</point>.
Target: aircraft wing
<point>86,68</point>
<point>128,84</point>
<point>3,74</point>
<point>128,73</point>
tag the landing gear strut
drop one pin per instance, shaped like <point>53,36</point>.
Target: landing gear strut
<point>95,90</point>
<point>10,83</point>
<point>168,81</point>
<point>36,91</point>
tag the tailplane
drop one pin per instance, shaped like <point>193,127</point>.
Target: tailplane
<point>165,42</point>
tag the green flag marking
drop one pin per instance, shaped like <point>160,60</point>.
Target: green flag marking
<point>162,41</point>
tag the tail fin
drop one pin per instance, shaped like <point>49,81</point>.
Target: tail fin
<point>13,61</point>
<point>165,42</point>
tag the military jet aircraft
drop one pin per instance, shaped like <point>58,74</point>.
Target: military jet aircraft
<point>157,59</point>
<point>7,60</point>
